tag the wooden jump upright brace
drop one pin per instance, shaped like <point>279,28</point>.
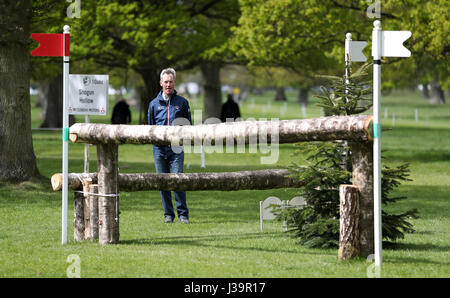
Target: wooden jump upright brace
<point>356,232</point>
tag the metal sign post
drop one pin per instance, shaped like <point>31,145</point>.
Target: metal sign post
<point>387,44</point>
<point>65,137</point>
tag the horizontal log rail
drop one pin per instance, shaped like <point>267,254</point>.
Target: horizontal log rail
<point>221,181</point>
<point>355,129</point>
<point>351,128</point>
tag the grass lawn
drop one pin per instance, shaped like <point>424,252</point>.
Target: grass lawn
<point>223,238</point>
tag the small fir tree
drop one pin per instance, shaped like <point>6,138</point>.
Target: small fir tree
<point>328,165</point>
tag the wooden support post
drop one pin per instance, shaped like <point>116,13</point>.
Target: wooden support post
<point>87,209</point>
<point>349,222</point>
<point>362,164</point>
<point>93,202</point>
<point>78,216</point>
<point>108,200</point>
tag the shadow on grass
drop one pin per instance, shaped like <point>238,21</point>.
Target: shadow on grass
<point>404,260</point>
<point>37,183</point>
<point>415,247</point>
<point>431,201</point>
<point>417,156</point>
<point>208,241</point>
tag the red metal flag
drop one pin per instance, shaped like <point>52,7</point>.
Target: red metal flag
<point>51,44</point>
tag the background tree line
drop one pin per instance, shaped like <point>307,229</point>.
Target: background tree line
<point>287,41</point>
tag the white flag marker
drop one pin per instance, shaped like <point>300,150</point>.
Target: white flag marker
<point>353,49</point>
<point>392,43</point>
<point>388,44</point>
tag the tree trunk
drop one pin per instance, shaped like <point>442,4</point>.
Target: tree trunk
<point>225,181</point>
<point>212,101</point>
<point>152,88</point>
<point>53,105</point>
<point>302,98</point>
<point>437,94</point>
<point>362,163</point>
<point>17,159</point>
<point>108,202</point>
<point>42,91</point>
<point>425,91</point>
<point>356,128</point>
<point>349,222</point>
<point>280,95</point>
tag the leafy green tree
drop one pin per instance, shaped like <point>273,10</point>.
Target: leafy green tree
<point>151,35</point>
<point>294,35</point>
<point>308,36</point>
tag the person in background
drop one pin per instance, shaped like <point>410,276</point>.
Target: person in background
<point>230,110</point>
<point>121,113</point>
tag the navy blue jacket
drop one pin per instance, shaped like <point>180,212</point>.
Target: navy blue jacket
<point>161,112</point>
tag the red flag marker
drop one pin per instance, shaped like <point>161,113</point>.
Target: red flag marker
<point>51,44</point>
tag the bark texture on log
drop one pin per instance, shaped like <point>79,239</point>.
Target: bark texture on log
<point>78,216</point>
<point>362,163</point>
<point>222,181</point>
<point>108,207</point>
<point>93,201</point>
<point>356,128</point>
<point>349,222</point>
<point>87,209</point>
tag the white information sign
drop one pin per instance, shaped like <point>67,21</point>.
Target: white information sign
<point>88,94</point>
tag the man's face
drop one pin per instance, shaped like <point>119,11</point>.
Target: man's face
<point>168,84</point>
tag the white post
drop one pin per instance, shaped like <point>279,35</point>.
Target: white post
<point>376,53</point>
<point>261,219</point>
<point>86,149</point>
<point>348,39</point>
<point>202,158</point>
<point>65,136</point>
<point>304,111</point>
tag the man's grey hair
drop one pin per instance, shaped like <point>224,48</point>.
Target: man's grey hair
<point>168,71</point>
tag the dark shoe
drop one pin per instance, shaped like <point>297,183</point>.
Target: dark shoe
<point>184,220</point>
<point>168,219</point>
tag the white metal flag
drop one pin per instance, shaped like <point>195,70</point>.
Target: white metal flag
<point>355,51</point>
<point>392,43</point>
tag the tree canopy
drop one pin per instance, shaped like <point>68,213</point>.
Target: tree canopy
<point>308,36</point>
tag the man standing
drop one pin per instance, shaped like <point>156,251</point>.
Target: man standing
<point>163,110</point>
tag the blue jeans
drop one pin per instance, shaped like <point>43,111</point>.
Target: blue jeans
<point>166,161</point>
